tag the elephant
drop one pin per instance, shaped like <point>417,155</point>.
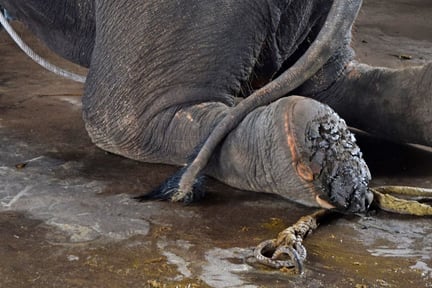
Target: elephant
<point>164,74</point>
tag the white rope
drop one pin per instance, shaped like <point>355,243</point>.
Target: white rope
<point>38,59</point>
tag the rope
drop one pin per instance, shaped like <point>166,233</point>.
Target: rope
<point>289,241</point>
<point>393,204</point>
<point>38,59</point>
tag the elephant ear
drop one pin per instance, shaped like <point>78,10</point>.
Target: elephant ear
<point>184,185</point>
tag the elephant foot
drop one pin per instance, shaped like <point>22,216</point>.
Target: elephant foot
<point>297,148</point>
<point>327,150</point>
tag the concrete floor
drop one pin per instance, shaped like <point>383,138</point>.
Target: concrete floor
<point>67,220</point>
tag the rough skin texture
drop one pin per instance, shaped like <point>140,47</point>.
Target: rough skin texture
<point>338,162</point>
<point>163,73</point>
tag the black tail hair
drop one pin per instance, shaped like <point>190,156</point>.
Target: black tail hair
<point>170,188</point>
<point>184,186</point>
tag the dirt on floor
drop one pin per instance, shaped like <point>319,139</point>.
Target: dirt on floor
<point>67,218</point>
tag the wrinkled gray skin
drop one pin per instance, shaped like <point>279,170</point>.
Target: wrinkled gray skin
<point>162,73</point>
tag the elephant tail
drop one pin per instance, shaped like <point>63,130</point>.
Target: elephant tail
<point>339,20</point>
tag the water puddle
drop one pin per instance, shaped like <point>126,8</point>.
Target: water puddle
<point>384,251</point>
<point>426,271</point>
<point>220,271</point>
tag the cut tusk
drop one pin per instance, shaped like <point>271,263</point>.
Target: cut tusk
<point>324,204</point>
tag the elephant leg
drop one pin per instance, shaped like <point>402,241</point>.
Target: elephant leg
<point>155,97</point>
<point>390,103</point>
<point>296,147</point>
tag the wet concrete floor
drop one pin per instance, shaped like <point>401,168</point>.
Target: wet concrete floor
<point>67,220</point>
